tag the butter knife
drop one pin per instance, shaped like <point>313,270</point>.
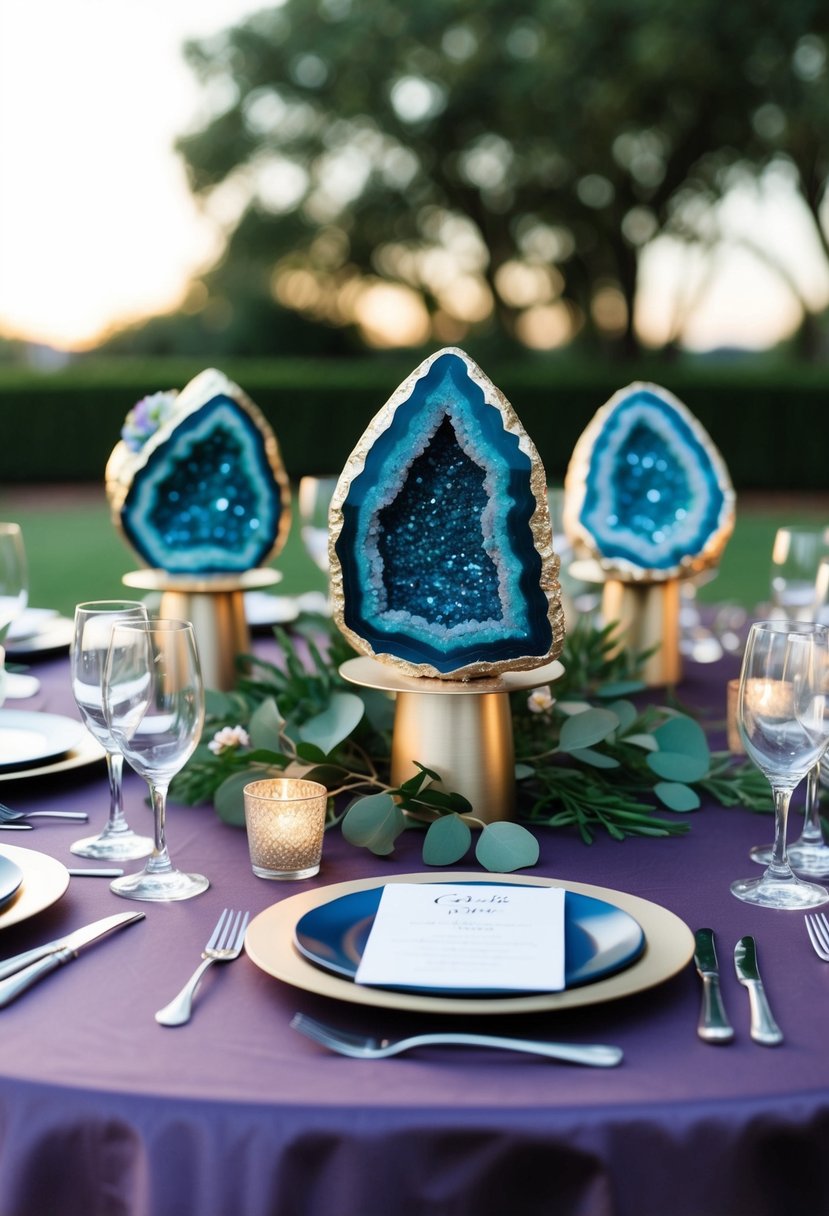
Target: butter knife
<point>19,973</point>
<point>764,1029</point>
<point>713,1025</point>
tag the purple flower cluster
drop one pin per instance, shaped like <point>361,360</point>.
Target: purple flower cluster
<point>145,417</point>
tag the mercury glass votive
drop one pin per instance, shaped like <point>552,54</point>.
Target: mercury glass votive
<point>285,819</point>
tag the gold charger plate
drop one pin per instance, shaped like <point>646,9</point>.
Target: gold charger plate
<point>88,751</point>
<point>269,944</point>
<point>44,881</point>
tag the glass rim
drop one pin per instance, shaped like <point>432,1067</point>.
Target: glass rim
<point>162,624</point>
<point>315,789</point>
<point>783,625</point>
<point>109,605</point>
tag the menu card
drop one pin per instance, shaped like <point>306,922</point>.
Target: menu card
<point>466,936</point>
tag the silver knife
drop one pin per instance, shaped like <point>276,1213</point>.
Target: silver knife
<point>19,973</point>
<point>764,1029</point>
<point>713,1025</point>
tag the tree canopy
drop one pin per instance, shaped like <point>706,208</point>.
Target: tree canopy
<point>485,165</point>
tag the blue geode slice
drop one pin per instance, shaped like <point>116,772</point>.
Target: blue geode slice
<point>205,493</point>
<point>441,549</point>
<point>646,490</point>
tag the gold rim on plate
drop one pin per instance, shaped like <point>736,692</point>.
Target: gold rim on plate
<point>88,751</point>
<point>45,880</point>
<point>269,944</point>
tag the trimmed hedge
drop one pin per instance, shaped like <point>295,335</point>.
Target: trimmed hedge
<point>771,424</point>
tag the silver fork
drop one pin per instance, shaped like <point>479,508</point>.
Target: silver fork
<point>225,944</point>
<point>817,927</point>
<point>7,815</point>
<point>363,1047</point>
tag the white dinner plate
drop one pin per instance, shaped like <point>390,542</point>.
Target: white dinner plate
<point>669,946</point>
<point>54,634</point>
<point>87,751</point>
<point>45,880</point>
<point>28,738</point>
<point>262,609</point>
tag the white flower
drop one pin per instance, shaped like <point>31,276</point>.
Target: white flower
<point>227,738</point>
<point>540,700</point>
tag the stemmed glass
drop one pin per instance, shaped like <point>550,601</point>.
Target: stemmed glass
<point>14,596</point>
<point>94,622</point>
<point>781,714</point>
<point>795,558</point>
<point>154,707</point>
<point>315,494</point>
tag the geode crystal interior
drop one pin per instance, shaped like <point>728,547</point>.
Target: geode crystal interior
<point>646,490</point>
<point>206,492</point>
<point>441,549</point>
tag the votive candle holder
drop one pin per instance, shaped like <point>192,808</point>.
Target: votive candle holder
<point>285,819</point>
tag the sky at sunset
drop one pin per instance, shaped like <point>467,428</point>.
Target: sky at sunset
<point>97,226</point>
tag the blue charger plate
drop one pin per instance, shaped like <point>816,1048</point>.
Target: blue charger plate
<point>11,876</point>
<point>599,939</point>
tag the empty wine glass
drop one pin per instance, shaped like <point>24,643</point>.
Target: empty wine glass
<point>795,557</point>
<point>154,706</point>
<point>14,596</point>
<point>314,498</point>
<point>783,724</point>
<point>94,622</point>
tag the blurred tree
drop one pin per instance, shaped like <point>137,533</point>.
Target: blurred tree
<point>434,166</point>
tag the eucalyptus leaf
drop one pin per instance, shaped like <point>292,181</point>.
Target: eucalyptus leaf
<point>335,723</point>
<point>676,796</point>
<point>573,707</point>
<point>620,688</point>
<point>446,841</point>
<point>683,734</point>
<point>218,704</point>
<point>588,755</point>
<point>523,772</point>
<point>229,801</point>
<point>585,729</point>
<point>374,823</point>
<point>626,712</point>
<point>379,708</point>
<point>265,727</point>
<point>645,741</point>
<point>677,766</point>
<point>503,847</point>
<point>310,753</point>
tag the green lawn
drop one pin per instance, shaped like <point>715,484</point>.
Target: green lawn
<point>76,553</point>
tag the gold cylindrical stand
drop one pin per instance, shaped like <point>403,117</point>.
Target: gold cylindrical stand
<point>648,617</point>
<point>462,729</point>
<point>215,605</point>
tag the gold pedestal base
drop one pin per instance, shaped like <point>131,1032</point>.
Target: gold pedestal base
<point>215,606</point>
<point>460,729</point>
<point>648,616</point>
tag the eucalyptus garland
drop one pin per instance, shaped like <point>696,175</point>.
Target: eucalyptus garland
<point>588,756</point>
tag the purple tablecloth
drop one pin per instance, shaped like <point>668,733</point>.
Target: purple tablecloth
<point>105,1113</point>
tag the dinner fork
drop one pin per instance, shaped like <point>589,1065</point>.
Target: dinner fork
<point>7,815</point>
<point>817,927</point>
<point>225,943</point>
<point>364,1047</point>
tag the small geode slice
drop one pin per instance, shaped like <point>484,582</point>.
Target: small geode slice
<point>441,549</point>
<point>206,493</point>
<point>647,493</point>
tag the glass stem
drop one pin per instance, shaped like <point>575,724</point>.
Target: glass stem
<point>115,772</point>
<point>159,861</point>
<point>779,865</point>
<point>812,828</point>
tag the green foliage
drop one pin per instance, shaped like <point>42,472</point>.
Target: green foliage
<point>612,124</point>
<point>604,767</point>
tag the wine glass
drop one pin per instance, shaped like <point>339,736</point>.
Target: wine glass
<point>783,724</point>
<point>315,494</point>
<point>154,707</point>
<point>795,558</point>
<point>14,596</point>
<point>94,622</point>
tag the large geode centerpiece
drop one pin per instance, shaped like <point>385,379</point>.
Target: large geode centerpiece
<point>197,483</point>
<point>647,493</point>
<point>440,543</point>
